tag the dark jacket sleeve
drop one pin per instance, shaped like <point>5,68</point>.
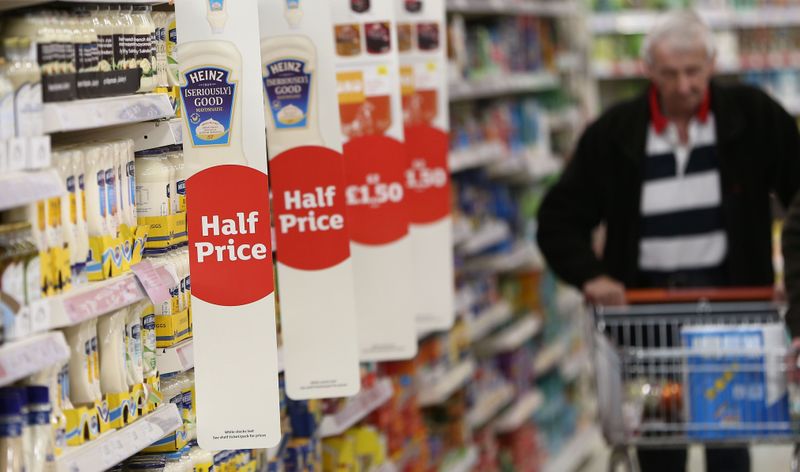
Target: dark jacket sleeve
<point>790,241</point>
<point>571,210</point>
<point>785,141</point>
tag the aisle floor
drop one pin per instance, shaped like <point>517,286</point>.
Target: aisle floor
<point>764,458</point>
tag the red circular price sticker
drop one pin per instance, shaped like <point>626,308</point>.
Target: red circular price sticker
<point>376,202</point>
<point>309,201</point>
<point>227,214</point>
<point>428,177</point>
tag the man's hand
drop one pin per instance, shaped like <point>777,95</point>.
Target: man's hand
<point>604,290</point>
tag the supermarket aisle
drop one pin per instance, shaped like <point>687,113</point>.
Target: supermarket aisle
<point>773,458</point>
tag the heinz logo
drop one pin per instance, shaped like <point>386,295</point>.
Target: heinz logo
<point>206,75</point>
<point>285,66</point>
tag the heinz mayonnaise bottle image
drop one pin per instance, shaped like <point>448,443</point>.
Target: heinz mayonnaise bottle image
<point>217,15</point>
<point>210,72</point>
<point>293,14</point>
<point>289,66</point>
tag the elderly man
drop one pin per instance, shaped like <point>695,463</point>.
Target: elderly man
<point>681,177</point>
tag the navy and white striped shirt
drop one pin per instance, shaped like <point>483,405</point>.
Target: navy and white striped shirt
<point>683,238</point>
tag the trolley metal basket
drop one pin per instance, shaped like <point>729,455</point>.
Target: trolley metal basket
<point>676,368</point>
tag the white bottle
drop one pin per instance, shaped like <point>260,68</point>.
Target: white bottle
<point>113,370</point>
<point>147,315</point>
<point>12,454</point>
<point>152,185</point>
<point>215,138</point>
<point>91,330</point>
<point>80,374</point>
<point>145,30</point>
<point>106,28</point>
<point>128,38</point>
<point>175,158</point>
<point>41,447</point>
<point>119,151</point>
<point>7,121</point>
<point>173,68</point>
<point>130,174</point>
<point>82,237</point>
<point>293,13</point>
<point>160,20</point>
<point>133,358</point>
<point>95,188</point>
<point>290,122</point>
<point>112,192</point>
<point>69,205</point>
<point>217,15</point>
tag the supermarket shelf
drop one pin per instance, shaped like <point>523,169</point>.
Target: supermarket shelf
<point>489,319</point>
<point>178,358</point>
<point>93,300</point>
<point>520,413</point>
<point>550,357</point>
<point>20,359</point>
<point>114,447</point>
<point>356,409</point>
<point>476,155</point>
<point>526,168</point>
<point>490,406</point>
<point>524,256</point>
<point>513,7</point>
<point>633,22</point>
<point>505,84</point>
<point>463,462</point>
<point>79,115</point>
<point>6,5</point>
<point>145,135</point>
<point>490,234</point>
<point>516,335</point>
<point>21,188</point>
<point>447,385</point>
<point>574,453</point>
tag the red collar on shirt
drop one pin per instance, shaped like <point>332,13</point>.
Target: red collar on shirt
<point>658,119</point>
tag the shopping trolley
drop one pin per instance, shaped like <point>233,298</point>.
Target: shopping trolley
<point>675,368</point>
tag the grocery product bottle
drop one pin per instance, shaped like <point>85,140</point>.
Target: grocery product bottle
<point>145,31</point>
<point>133,356</point>
<point>12,453</point>
<point>7,121</point>
<point>111,340</point>
<point>40,450</point>
<point>210,76</point>
<point>80,370</point>
<point>152,185</point>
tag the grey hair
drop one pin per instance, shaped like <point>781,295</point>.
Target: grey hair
<point>682,29</point>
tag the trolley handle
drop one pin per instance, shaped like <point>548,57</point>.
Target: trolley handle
<point>689,295</point>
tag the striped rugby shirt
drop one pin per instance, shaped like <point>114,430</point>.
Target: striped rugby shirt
<point>683,238</point>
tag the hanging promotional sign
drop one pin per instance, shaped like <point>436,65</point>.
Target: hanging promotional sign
<point>228,217</point>
<point>315,270</point>
<point>421,38</point>
<point>376,162</point>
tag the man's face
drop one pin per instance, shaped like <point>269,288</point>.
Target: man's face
<point>681,76</point>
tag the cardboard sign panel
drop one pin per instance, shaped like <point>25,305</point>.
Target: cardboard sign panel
<point>228,218</point>
<point>376,161</point>
<point>421,40</point>
<point>315,268</point>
